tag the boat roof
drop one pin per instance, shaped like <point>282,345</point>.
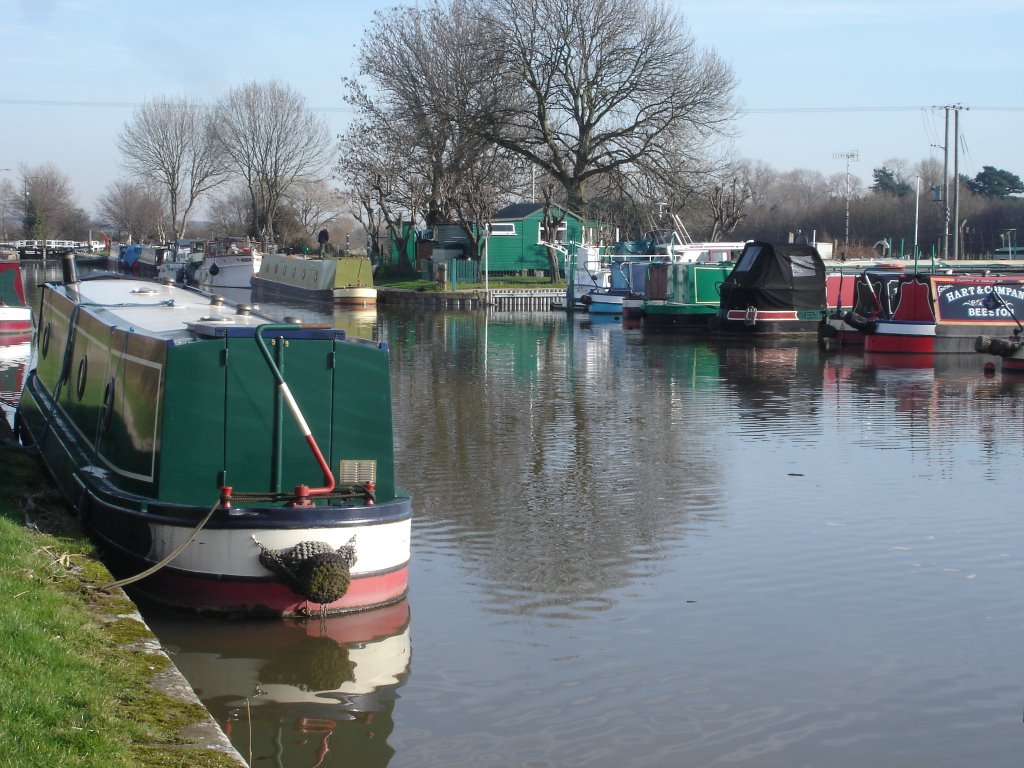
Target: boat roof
<point>174,313</point>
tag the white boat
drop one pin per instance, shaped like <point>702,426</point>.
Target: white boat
<point>592,273</point>
<point>176,260</point>
<point>228,262</point>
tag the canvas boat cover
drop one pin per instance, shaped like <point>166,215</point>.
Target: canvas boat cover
<point>776,277</point>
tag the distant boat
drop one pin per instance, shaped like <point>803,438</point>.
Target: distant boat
<point>227,262</point>
<point>683,296</point>
<point>945,313</point>
<point>245,464</point>
<point>15,314</point>
<point>773,290</point>
<point>176,260</point>
<point>591,273</point>
<point>343,280</point>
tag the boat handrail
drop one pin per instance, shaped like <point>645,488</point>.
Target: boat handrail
<point>286,393</point>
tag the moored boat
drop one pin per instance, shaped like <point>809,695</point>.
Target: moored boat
<point>346,280</point>
<point>773,290</point>
<point>945,313</point>
<point>177,260</point>
<point>228,262</point>
<point>247,463</point>
<point>683,296</point>
<point>15,314</point>
<point>589,273</point>
<point>856,298</point>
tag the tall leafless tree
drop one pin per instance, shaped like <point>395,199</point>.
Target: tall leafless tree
<point>314,205</point>
<point>435,170</point>
<point>49,210</point>
<point>273,139</point>
<point>171,142</point>
<point>136,210</point>
<point>726,200</point>
<point>584,88</point>
<point>10,204</point>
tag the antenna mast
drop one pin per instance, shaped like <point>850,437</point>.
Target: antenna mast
<point>852,155</point>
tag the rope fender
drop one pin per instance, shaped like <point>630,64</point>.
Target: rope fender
<point>314,569</point>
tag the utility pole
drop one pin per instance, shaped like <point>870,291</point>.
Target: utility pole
<point>956,178</point>
<point>854,155</point>
<point>945,191</point>
<point>955,109</point>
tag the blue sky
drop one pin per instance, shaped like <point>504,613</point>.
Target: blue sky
<point>816,77</point>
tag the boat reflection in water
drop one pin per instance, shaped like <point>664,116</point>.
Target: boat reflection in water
<point>297,693</point>
<point>15,349</point>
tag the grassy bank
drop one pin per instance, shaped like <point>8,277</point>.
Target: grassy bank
<point>76,683</point>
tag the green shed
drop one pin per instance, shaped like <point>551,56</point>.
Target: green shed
<point>514,243</point>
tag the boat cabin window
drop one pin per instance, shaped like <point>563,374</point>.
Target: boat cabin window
<point>503,228</point>
<point>802,266</point>
<point>750,254</point>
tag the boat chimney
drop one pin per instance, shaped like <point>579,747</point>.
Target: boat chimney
<point>69,270</point>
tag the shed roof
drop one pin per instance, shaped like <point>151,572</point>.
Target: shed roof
<point>518,211</point>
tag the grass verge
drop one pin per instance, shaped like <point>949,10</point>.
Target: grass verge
<point>75,682</point>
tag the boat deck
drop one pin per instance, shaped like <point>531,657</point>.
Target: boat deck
<point>156,309</point>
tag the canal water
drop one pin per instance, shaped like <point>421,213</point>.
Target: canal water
<point>649,550</point>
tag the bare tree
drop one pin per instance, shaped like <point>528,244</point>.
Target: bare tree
<point>274,140</point>
<point>49,210</point>
<point>135,210</point>
<point>171,142</point>
<point>727,200</point>
<point>363,207</point>
<point>434,169</point>
<point>314,205</point>
<point>231,209</point>
<point>10,204</point>
<point>582,88</point>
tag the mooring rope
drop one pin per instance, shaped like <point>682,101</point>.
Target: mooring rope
<point>177,551</point>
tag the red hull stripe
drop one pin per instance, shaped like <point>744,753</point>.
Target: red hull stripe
<point>763,315</point>
<point>15,326</point>
<point>192,592</point>
<point>890,342</point>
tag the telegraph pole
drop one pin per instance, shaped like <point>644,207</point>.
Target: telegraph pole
<point>945,191</point>
<point>848,156</point>
<point>956,179</point>
<point>955,109</point>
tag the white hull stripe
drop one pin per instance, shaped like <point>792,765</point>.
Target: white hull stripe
<point>233,553</point>
<point>905,329</point>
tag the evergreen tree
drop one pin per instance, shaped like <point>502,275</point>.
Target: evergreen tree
<point>994,182</point>
<point>888,183</point>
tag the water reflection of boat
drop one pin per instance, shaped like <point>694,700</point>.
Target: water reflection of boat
<point>298,691</point>
<point>14,354</point>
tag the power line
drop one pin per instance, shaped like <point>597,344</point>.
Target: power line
<point>746,111</point>
<point>115,104</point>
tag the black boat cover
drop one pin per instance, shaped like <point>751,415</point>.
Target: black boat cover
<point>776,277</point>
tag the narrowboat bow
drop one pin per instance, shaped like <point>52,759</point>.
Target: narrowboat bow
<point>248,463</point>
